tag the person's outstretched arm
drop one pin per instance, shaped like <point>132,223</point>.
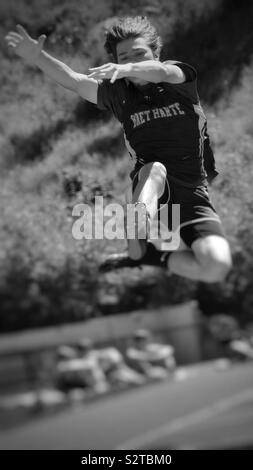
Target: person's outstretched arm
<point>32,52</point>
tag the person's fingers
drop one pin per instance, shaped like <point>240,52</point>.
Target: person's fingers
<point>10,38</point>
<point>98,68</point>
<point>14,35</point>
<point>115,76</point>
<point>12,44</point>
<point>22,31</point>
<point>95,75</point>
<point>101,67</point>
<point>41,40</point>
<point>99,72</point>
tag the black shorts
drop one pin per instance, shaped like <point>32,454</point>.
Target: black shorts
<point>198,217</point>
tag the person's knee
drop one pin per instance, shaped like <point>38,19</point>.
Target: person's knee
<point>218,269</point>
<point>213,255</point>
<point>158,171</point>
<point>154,170</point>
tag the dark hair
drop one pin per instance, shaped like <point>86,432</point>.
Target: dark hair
<point>132,27</point>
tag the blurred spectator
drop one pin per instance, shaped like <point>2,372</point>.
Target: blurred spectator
<point>114,367</point>
<point>78,368</point>
<point>235,343</point>
<point>154,360</point>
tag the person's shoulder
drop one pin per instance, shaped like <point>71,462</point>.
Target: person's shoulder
<point>179,63</point>
<point>189,71</point>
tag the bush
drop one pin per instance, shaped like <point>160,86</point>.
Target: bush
<point>57,150</point>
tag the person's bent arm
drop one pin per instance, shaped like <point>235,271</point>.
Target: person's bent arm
<point>149,70</point>
<point>156,72</point>
<point>31,51</point>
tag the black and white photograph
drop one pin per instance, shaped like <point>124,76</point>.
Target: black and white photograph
<point>126,228</point>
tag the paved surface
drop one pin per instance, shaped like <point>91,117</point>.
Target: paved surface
<point>206,408</point>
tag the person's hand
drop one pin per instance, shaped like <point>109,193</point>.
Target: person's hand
<point>23,45</point>
<point>110,71</point>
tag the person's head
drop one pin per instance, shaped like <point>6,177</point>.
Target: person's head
<point>133,39</point>
<point>141,337</point>
<point>84,346</point>
<point>65,352</point>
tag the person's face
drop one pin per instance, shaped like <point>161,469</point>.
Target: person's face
<point>141,343</point>
<point>134,50</point>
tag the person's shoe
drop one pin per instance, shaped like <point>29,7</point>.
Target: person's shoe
<point>118,260</point>
<point>137,246</point>
<point>152,257</point>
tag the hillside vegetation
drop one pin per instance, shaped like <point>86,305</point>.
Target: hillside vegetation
<point>58,150</point>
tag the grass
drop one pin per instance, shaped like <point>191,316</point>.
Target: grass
<point>52,141</point>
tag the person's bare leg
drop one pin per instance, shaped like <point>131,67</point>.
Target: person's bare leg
<point>150,187</point>
<point>209,260</point>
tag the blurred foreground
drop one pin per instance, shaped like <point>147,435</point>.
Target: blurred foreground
<point>205,406</point>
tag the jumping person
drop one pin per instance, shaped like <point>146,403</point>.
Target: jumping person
<point>165,132</point>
